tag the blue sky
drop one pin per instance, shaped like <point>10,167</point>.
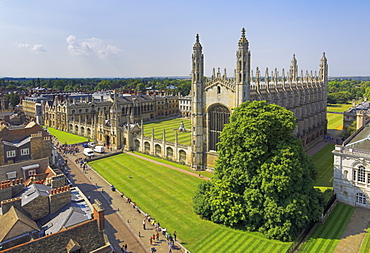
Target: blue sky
<point>140,38</point>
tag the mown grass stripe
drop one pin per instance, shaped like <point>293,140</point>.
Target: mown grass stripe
<point>326,236</point>
<point>219,245</point>
<point>166,194</point>
<point>232,248</point>
<point>207,245</point>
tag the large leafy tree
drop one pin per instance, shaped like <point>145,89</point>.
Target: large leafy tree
<point>263,178</point>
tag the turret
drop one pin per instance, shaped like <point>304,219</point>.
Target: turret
<point>294,69</point>
<point>324,68</point>
<point>242,70</point>
<point>197,106</point>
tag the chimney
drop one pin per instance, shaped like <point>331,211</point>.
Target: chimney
<point>99,214</point>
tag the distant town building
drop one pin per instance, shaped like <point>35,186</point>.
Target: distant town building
<point>107,117</point>
<point>185,106</point>
<point>349,116</point>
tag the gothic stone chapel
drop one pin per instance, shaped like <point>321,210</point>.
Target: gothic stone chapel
<point>213,99</point>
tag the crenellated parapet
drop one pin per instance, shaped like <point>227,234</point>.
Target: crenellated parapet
<point>217,79</point>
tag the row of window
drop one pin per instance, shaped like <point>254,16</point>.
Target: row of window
<point>13,153</point>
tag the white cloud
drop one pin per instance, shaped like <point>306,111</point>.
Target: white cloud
<point>38,49</point>
<point>90,47</point>
<point>35,48</point>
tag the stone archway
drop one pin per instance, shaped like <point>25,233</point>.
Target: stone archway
<point>136,142</point>
<point>157,150</point>
<point>218,116</point>
<point>107,140</point>
<point>182,156</point>
<point>147,147</point>
<point>169,152</point>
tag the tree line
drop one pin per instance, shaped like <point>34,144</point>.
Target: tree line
<point>129,85</point>
<point>342,91</point>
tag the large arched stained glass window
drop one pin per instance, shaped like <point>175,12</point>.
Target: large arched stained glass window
<point>218,117</point>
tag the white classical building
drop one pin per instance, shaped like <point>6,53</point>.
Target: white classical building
<point>352,168</point>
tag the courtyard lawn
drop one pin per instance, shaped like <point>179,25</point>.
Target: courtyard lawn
<point>335,121</point>
<point>66,138</point>
<point>338,107</point>
<point>184,167</point>
<point>166,194</point>
<point>170,126</point>
<point>365,246</point>
<point>324,162</point>
<point>326,236</point>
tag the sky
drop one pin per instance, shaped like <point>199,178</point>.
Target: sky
<point>146,38</point>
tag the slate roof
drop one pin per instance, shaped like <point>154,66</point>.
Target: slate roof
<point>69,215</point>
<point>15,223</point>
<point>34,191</point>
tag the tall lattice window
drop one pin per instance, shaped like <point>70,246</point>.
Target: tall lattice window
<point>361,174</point>
<point>218,117</point>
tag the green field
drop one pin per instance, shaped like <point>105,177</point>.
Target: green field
<point>324,163</point>
<point>166,195</point>
<point>338,107</point>
<point>326,236</point>
<point>170,126</point>
<point>66,138</point>
<point>365,246</point>
<point>335,121</point>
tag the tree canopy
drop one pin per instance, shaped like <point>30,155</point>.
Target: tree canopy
<point>263,178</point>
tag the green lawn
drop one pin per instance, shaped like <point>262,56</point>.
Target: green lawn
<point>338,107</point>
<point>170,126</point>
<point>166,195</point>
<point>66,138</point>
<point>335,121</point>
<point>365,246</point>
<point>326,236</point>
<point>324,162</point>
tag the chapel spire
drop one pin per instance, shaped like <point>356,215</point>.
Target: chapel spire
<point>242,71</point>
<point>294,68</point>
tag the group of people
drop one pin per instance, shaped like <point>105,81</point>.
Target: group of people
<point>68,149</point>
<point>82,162</point>
<point>124,248</point>
<point>157,227</point>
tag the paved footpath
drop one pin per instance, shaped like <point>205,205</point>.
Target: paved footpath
<point>123,222</point>
<point>352,237</point>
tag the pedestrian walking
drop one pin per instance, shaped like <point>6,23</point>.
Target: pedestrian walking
<point>144,224</point>
<point>157,236</point>
<point>125,248</point>
<point>151,241</point>
<point>153,237</point>
<point>174,235</point>
<point>169,247</point>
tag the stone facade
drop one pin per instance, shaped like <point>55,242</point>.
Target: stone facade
<point>352,169</point>
<point>22,143</point>
<point>106,119</point>
<point>214,98</point>
<point>185,106</point>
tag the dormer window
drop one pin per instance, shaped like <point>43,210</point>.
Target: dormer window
<point>10,153</point>
<point>25,151</point>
